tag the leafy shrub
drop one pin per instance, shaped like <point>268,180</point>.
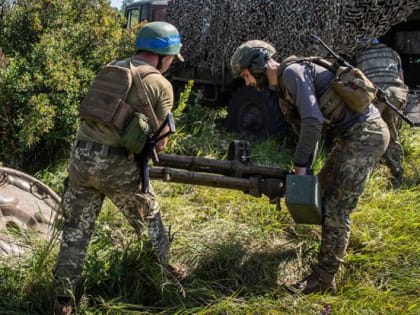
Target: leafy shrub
<point>53,50</point>
<point>199,131</point>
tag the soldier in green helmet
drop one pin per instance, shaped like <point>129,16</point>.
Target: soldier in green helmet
<point>312,108</point>
<point>102,165</point>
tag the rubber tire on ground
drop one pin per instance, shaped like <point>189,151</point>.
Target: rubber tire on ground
<point>253,113</point>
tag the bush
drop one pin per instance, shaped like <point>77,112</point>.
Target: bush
<point>53,49</point>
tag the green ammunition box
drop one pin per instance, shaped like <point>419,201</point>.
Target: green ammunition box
<point>303,199</point>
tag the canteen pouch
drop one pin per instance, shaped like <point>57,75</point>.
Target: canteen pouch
<point>136,134</point>
<point>303,199</point>
<point>397,95</point>
<point>354,89</point>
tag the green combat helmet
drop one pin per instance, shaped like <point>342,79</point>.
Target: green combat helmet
<point>252,55</point>
<point>160,38</point>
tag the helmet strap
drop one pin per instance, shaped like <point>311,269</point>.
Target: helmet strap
<point>262,81</point>
<point>160,62</point>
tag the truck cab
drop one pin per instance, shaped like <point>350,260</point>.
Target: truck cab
<point>145,10</point>
<point>405,39</point>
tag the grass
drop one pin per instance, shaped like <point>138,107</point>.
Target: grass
<point>237,250</point>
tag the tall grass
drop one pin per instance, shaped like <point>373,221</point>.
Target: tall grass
<point>237,250</point>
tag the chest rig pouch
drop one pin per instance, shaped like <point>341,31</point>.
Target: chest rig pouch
<point>105,100</point>
<point>354,88</point>
<point>105,103</point>
<point>330,104</point>
<point>143,122</point>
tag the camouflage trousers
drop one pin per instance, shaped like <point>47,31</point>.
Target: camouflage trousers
<point>92,177</point>
<point>342,181</point>
<point>394,155</point>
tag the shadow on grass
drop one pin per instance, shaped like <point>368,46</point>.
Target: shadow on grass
<point>230,268</point>
<point>226,270</point>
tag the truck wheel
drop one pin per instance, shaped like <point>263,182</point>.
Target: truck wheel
<point>26,204</point>
<point>254,113</point>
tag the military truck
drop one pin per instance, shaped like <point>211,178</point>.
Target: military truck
<point>405,39</point>
<point>145,10</point>
<point>212,30</point>
<point>256,113</point>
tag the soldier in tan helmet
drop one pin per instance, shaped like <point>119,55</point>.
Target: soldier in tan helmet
<point>361,139</point>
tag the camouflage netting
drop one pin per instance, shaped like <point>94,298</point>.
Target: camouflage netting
<point>212,29</point>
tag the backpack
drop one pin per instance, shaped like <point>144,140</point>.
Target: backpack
<point>105,103</point>
<point>350,88</point>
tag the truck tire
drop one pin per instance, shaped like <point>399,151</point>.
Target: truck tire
<point>253,113</point>
<point>26,204</point>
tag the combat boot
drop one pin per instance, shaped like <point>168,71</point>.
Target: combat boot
<point>63,306</point>
<point>318,281</point>
<point>396,180</point>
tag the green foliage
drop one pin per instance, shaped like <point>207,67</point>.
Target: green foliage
<point>29,277</point>
<point>53,50</point>
<point>184,98</point>
<point>238,250</point>
<point>199,130</point>
<point>54,176</point>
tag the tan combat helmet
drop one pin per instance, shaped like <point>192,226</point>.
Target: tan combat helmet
<point>252,55</point>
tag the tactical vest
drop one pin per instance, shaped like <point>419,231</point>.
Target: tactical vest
<point>350,89</point>
<point>381,65</point>
<point>105,103</point>
<point>105,100</point>
<point>330,104</point>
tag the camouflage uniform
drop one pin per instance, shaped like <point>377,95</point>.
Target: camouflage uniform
<point>119,112</point>
<point>310,104</point>
<point>92,176</point>
<point>359,142</point>
<point>343,179</point>
<point>394,155</point>
<point>100,166</point>
<point>382,65</point>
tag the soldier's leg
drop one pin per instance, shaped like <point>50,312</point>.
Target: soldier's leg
<point>355,160</point>
<point>81,207</point>
<point>157,231</point>
<point>141,209</point>
<point>393,156</point>
<point>344,176</point>
<point>334,234</point>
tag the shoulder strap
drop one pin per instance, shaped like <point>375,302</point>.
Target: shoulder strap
<point>288,61</point>
<point>331,66</point>
<point>138,73</point>
<point>284,94</point>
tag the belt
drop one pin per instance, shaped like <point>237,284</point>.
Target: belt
<point>103,148</point>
